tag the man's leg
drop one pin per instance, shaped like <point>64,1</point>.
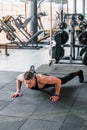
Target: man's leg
<point>72,75</point>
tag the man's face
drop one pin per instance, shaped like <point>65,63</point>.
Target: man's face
<point>30,83</point>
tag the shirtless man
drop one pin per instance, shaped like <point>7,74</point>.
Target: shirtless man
<point>39,81</point>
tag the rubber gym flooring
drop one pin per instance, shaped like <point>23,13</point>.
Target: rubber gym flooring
<point>34,110</point>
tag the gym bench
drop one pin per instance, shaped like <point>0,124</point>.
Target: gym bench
<point>6,48</point>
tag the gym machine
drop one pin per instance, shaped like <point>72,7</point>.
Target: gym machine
<point>62,37</point>
<point>83,41</point>
<point>46,33</point>
<point>16,34</point>
<point>22,26</point>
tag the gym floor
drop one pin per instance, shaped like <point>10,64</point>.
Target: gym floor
<point>22,59</point>
<point>34,110</point>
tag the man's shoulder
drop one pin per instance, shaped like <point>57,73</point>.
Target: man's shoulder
<point>21,77</point>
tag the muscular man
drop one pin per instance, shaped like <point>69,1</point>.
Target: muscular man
<point>39,82</point>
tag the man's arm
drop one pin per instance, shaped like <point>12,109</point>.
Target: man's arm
<point>57,83</point>
<point>55,97</point>
<point>19,81</point>
<point>57,87</point>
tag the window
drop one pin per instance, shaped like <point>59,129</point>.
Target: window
<point>79,6</point>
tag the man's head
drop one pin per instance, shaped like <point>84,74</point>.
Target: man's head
<point>28,75</point>
<point>29,79</point>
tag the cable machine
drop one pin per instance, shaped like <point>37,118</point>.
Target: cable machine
<point>52,60</point>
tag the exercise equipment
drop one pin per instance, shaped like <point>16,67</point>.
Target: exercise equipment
<point>39,15</point>
<point>50,47</point>
<point>63,35</point>
<point>78,31</point>
<point>9,29</point>
<point>22,26</point>
<point>83,54</point>
<point>5,45</point>
<point>16,34</point>
<point>84,49</point>
<point>84,58</point>
<point>74,54</point>
<point>73,44</point>
<point>62,25</point>
<point>55,51</point>
<point>60,38</point>
<point>80,17</point>
<point>83,38</point>
<point>83,25</point>
<point>32,69</point>
<point>21,23</point>
<point>46,33</point>
<point>10,37</point>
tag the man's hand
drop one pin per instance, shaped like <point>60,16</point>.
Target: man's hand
<point>54,98</point>
<point>16,94</point>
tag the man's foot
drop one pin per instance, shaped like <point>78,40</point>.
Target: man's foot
<point>81,77</point>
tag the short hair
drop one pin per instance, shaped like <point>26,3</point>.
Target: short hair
<point>28,75</point>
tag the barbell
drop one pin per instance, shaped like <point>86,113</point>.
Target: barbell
<point>83,38</point>
<point>61,36</point>
<point>84,58</point>
<point>57,53</point>
<point>84,49</point>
